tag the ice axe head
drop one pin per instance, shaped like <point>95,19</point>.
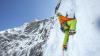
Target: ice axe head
<point>66,14</point>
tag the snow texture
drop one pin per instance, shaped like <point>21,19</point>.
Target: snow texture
<point>26,40</point>
<point>87,39</point>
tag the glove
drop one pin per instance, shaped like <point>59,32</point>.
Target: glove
<point>72,32</point>
<point>65,27</point>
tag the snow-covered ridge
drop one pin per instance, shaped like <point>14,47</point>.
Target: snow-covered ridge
<point>25,40</point>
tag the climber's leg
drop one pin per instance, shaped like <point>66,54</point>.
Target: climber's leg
<point>66,39</point>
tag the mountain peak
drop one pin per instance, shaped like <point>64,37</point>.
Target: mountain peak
<point>27,39</point>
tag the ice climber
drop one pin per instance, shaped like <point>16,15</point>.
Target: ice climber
<point>68,26</point>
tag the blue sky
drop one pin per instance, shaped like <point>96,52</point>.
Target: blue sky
<point>16,12</point>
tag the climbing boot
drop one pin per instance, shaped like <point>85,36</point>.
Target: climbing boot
<point>64,47</point>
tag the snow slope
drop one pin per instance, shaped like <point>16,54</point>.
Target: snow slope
<point>55,41</point>
<point>86,41</point>
<point>87,37</point>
